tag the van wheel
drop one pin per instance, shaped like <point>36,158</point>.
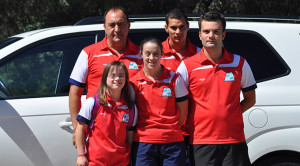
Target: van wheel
<point>279,161</point>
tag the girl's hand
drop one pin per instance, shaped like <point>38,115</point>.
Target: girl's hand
<point>82,161</point>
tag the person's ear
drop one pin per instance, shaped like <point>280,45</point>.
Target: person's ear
<point>166,28</point>
<point>200,35</point>
<point>223,35</point>
<point>129,25</point>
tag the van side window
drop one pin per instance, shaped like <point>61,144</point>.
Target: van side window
<point>265,62</point>
<point>37,71</point>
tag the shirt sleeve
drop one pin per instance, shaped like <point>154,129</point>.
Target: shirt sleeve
<point>80,71</point>
<point>181,92</point>
<point>248,82</point>
<point>135,118</point>
<point>132,92</point>
<point>182,71</point>
<point>85,113</point>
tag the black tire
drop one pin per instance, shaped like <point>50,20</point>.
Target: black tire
<point>279,161</point>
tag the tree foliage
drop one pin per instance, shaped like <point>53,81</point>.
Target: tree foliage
<point>21,16</point>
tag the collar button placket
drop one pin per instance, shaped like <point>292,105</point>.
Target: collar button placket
<point>216,68</point>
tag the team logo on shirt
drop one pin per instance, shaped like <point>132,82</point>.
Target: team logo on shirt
<point>133,65</point>
<point>125,118</point>
<point>167,92</point>
<point>229,77</point>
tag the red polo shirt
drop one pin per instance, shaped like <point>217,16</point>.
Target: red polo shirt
<point>92,60</point>
<point>158,114</point>
<point>107,143</point>
<point>215,115</point>
<point>171,60</point>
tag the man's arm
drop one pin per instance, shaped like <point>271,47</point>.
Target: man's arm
<point>129,137</point>
<point>75,105</point>
<point>183,109</point>
<point>249,100</point>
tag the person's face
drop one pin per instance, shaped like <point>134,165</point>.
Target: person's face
<point>211,34</point>
<point>177,30</point>
<point>116,79</point>
<point>116,26</point>
<point>151,55</point>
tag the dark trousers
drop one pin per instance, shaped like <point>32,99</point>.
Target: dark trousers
<point>221,155</point>
<point>158,154</point>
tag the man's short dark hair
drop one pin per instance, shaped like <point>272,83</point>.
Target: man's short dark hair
<point>176,13</point>
<point>212,16</point>
<point>115,9</point>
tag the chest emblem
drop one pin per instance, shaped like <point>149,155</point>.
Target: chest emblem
<point>123,107</point>
<point>229,77</point>
<point>167,92</point>
<point>133,65</point>
<point>125,118</point>
<point>103,114</point>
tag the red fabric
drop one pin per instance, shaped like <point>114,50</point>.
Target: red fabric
<point>215,115</point>
<point>107,143</point>
<point>158,115</point>
<point>99,55</point>
<point>170,59</point>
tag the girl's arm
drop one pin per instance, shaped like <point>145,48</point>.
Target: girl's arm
<point>80,136</point>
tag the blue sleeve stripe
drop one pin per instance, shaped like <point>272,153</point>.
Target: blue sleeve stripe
<point>79,84</point>
<point>183,98</point>
<point>82,119</point>
<point>250,88</point>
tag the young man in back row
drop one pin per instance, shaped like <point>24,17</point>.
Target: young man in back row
<point>176,48</point>
<point>215,79</point>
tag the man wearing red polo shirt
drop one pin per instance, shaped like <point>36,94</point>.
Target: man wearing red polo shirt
<point>215,79</point>
<point>176,48</point>
<point>92,60</point>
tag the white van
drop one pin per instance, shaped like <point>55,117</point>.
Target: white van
<point>35,125</point>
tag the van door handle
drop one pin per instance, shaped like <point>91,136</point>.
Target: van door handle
<point>66,123</point>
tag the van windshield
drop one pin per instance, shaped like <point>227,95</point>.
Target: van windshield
<point>8,42</point>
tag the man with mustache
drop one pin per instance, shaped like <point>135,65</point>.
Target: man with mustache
<point>88,69</point>
<point>215,79</point>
